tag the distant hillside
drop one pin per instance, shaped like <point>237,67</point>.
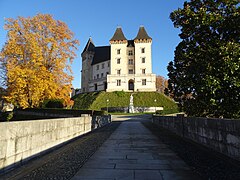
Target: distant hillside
<point>98,100</point>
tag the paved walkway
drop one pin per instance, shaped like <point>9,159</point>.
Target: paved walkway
<point>133,152</point>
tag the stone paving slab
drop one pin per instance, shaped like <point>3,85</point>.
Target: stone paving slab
<point>143,166</point>
<point>133,152</point>
<point>147,174</point>
<point>87,173</point>
<point>178,175</point>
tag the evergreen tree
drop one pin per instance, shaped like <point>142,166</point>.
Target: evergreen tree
<point>205,73</point>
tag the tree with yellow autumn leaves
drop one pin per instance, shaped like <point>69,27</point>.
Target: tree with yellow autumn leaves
<point>36,60</point>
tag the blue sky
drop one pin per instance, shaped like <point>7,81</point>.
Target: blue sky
<point>100,18</point>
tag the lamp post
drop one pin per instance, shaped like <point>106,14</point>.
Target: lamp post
<point>107,105</point>
<point>155,106</point>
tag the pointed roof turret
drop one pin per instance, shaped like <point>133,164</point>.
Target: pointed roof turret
<point>118,35</point>
<point>142,34</point>
<point>89,46</point>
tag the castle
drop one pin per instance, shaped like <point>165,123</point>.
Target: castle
<point>124,65</point>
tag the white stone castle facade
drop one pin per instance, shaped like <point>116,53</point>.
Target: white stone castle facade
<point>124,65</point>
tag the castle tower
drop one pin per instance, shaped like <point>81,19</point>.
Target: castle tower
<point>87,58</point>
<point>144,79</point>
<point>143,52</point>
<point>118,53</point>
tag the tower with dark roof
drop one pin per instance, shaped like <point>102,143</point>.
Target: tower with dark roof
<point>142,36</point>
<point>143,55</point>
<point>87,58</point>
<point>124,65</point>
<point>118,37</point>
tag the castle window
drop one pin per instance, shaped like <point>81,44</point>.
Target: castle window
<point>108,64</point>
<point>101,74</point>
<point>97,76</point>
<point>130,71</point>
<point>144,82</point>
<point>118,61</point>
<point>130,52</point>
<point>142,50</point>
<point>97,67</point>
<point>118,82</point>
<point>119,71</point>
<point>102,65</point>
<point>143,60</point>
<point>95,87</point>
<point>118,51</point>
<point>130,61</point>
<point>143,71</point>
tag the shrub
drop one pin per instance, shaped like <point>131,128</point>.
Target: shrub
<point>159,112</point>
<point>53,103</point>
<point>7,116</point>
<point>100,113</point>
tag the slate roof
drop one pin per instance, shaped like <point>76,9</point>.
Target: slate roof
<point>102,53</point>
<point>118,35</point>
<point>142,34</point>
<point>130,43</point>
<point>89,46</point>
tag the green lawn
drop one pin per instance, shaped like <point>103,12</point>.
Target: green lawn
<point>98,100</point>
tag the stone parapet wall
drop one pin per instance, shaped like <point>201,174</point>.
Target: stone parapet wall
<point>136,109</point>
<point>23,140</point>
<point>222,135</point>
<point>59,113</point>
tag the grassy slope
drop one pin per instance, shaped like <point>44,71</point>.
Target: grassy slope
<point>121,99</point>
<point>84,101</point>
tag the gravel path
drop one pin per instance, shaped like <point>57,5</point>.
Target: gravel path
<point>208,164</point>
<point>63,162</point>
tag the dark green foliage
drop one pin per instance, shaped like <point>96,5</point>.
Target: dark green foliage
<point>100,113</point>
<point>2,92</point>
<point>122,99</point>
<point>167,111</point>
<point>53,103</point>
<point>6,116</point>
<point>60,112</point>
<point>205,73</point>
